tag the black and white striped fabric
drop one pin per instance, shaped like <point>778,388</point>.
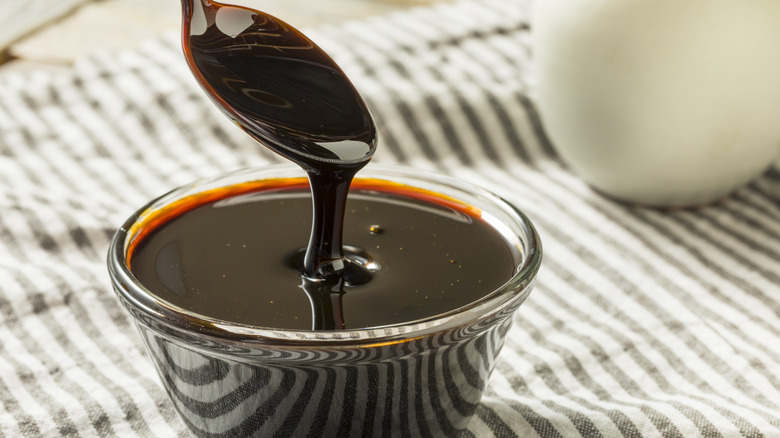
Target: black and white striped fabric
<point>644,323</point>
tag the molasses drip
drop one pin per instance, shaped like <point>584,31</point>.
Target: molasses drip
<point>288,94</point>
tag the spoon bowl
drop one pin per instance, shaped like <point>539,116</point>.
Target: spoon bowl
<point>277,85</point>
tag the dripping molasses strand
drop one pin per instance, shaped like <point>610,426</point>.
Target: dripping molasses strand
<point>289,95</point>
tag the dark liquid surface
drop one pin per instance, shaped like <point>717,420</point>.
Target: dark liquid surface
<point>237,259</point>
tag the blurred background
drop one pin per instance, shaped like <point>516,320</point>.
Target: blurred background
<point>50,34</point>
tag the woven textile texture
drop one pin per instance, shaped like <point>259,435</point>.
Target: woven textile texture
<point>644,323</point>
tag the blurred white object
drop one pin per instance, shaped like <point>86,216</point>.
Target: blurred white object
<point>660,102</point>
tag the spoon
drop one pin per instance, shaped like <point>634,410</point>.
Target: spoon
<point>288,94</point>
<point>279,86</point>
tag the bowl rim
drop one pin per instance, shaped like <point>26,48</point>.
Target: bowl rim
<point>145,305</point>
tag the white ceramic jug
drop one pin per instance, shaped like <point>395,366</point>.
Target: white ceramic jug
<point>660,102</point>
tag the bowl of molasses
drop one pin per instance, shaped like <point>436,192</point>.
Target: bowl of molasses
<point>401,344</point>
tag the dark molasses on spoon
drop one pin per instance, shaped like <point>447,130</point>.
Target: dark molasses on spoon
<point>288,94</point>
<point>279,86</point>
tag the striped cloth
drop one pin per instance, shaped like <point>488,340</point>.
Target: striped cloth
<point>644,323</point>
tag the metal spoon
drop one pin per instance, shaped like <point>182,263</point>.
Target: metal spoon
<point>279,86</point>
